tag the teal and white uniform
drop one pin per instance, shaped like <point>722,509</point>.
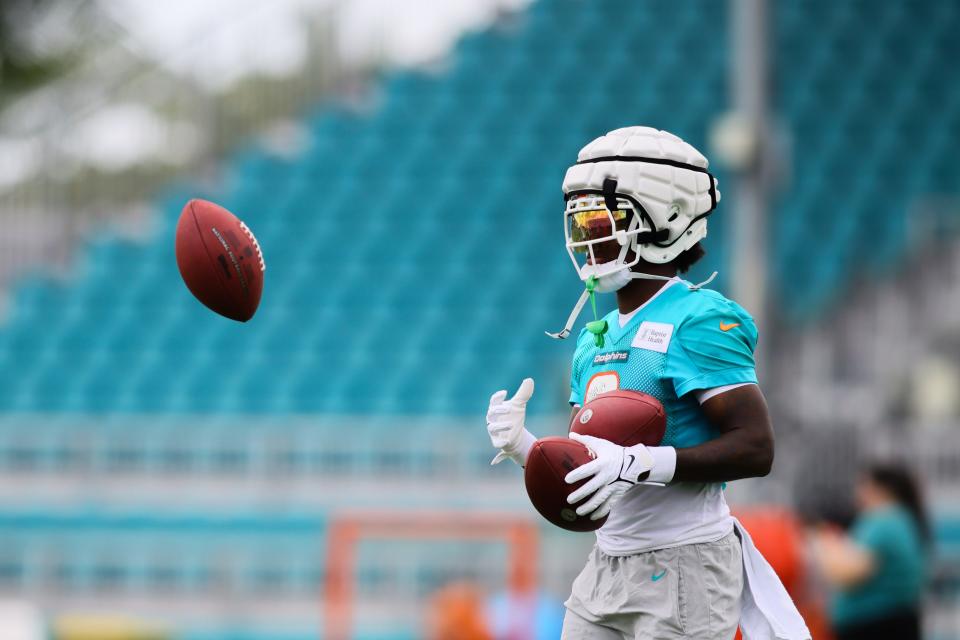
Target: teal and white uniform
<point>678,346</point>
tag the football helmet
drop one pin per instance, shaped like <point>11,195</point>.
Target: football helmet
<point>634,193</point>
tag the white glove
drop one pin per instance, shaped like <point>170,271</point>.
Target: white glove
<point>505,420</point>
<point>615,469</point>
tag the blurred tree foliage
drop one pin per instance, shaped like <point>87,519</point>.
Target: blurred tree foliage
<point>31,50</point>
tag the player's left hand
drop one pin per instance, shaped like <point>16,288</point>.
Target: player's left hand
<point>614,470</point>
<point>505,424</point>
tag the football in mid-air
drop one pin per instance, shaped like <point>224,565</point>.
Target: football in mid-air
<point>548,463</point>
<point>623,417</point>
<point>220,260</point>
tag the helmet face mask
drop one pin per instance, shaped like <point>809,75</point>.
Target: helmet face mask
<point>601,241</point>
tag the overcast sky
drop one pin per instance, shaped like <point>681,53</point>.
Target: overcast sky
<point>220,40</point>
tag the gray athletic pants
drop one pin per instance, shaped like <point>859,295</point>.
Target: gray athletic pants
<point>690,592</point>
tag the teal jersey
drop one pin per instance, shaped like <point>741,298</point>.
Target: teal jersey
<point>893,539</point>
<point>680,341</point>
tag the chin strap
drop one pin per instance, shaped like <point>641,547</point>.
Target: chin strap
<point>701,285</point>
<point>588,294</point>
<point>599,327</point>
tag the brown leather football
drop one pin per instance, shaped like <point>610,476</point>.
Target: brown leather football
<point>548,463</point>
<point>623,417</point>
<point>219,259</point>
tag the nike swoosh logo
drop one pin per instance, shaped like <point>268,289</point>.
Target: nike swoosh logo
<point>657,576</point>
<point>727,327</point>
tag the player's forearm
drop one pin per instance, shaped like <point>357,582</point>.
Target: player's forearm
<point>744,448</point>
<point>731,456</point>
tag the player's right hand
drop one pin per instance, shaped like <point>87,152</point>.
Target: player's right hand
<point>505,424</point>
<point>611,473</point>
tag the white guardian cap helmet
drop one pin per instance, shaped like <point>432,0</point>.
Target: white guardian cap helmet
<point>634,193</point>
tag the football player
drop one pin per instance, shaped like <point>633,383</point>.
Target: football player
<point>670,561</point>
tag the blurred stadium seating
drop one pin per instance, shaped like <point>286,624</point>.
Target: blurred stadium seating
<point>414,258</point>
<point>403,244</point>
<point>872,121</point>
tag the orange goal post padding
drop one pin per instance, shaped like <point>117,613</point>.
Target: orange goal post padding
<point>347,530</point>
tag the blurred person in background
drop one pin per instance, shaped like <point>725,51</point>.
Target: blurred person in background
<point>878,567</point>
<point>456,613</point>
<point>536,615</point>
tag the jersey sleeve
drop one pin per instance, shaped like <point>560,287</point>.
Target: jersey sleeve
<point>713,348</point>
<point>576,371</point>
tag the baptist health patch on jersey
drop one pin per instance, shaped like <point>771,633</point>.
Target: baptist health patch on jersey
<point>654,336</point>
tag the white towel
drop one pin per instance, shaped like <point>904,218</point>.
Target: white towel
<point>767,611</point>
